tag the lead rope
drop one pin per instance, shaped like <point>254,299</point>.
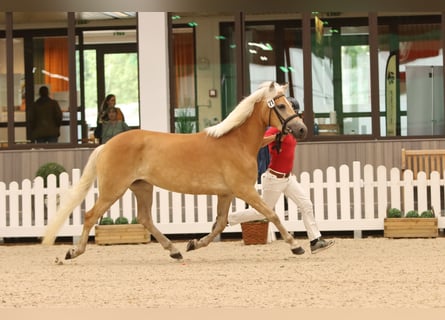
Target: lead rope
<point>283,131</point>
<point>277,145</point>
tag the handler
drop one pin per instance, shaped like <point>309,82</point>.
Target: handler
<point>278,179</point>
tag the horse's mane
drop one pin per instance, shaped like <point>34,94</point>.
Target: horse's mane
<point>244,109</point>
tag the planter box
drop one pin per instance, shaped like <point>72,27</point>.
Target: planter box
<point>255,232</point>
<point>410,228</point>
<point>121,234</point>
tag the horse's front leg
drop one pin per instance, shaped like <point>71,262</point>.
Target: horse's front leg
<point>272,217</point>
<point>224,202</point>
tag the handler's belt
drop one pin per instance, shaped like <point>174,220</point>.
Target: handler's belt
<point>279,174</point>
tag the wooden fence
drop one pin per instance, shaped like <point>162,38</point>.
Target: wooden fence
<point>347,199</point>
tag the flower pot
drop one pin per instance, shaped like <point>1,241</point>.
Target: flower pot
<point>255,232</point>
<point>410,228</point>
<point>121,234</point>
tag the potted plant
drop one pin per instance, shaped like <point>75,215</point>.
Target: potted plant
<point>410,225</point>
<point>45,170</point>
<point>120,231</point>
<point>412,214</point>
<point>50,168</point>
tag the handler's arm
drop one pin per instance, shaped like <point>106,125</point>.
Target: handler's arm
<point>270,139</point>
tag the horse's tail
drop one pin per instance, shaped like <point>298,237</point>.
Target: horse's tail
<point>73,198</point>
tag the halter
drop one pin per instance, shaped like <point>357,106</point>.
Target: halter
<point>272,105</point>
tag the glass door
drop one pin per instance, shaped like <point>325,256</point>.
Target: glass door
<point>109,66</point>
<point>121,79</point>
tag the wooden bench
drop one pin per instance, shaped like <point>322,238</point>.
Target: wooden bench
<point>328,129</point>
<point>427,160</point>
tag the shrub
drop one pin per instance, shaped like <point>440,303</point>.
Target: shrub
<point>121,220</point>
<point>427,214</point>
<point>134,220</point>
<point>106,221</point>
<point>394,213</point>
<point>50,168</point>
<point>412,214</point>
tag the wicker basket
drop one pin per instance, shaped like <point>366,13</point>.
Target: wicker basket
<point>255,232</point>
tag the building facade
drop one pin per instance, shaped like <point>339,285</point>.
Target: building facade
<point>368,82</point>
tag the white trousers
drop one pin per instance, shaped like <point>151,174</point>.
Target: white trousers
<point>272,188</point>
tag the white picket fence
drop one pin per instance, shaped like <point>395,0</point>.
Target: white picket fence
<point>348,199</point>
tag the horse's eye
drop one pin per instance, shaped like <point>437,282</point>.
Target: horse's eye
<point>281,106</point>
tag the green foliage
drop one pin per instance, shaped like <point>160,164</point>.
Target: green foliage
<point>184,122</point>
<point>121,220</point>
<point>412,214</point>
<point>134,220</point>
<point>106,221</point>
<point>394,213</point>
<point>50,168</point>
<point>427,214</point>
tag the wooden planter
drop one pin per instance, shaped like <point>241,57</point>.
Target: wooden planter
<point>255,232</point>
<point>410,228</point>
<point>121,234</point>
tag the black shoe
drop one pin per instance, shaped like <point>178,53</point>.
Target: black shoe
<point>321,245</point>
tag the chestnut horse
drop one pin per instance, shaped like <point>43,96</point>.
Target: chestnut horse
<point>222,160</point>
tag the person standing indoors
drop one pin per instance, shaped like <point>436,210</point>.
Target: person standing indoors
<point>112,126</point>
<point>45,118</point>
<point>279,179</point>
<point>109,102</point>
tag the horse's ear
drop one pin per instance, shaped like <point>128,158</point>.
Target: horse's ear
<point>285,86</point>
<point>272,85</point>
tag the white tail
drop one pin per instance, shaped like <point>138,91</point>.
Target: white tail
<point>74,197</point>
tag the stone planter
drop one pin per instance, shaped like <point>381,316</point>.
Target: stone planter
<point>121,234</point>
<point>410,228</point>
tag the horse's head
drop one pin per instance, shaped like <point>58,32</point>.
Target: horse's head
<point>281,113</point>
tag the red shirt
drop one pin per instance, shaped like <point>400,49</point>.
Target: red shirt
<point>284,161</point>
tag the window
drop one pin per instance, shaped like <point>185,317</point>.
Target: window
<point>41,53</point>
<point>411,76</point>
<point>273,51</point>
<point>185,108</point>
<point>3,96</point>
<point>50,69</point>
<point>202,88</point>
<point>19,106</point>
<point>341,77</point>
<point>107,63</point>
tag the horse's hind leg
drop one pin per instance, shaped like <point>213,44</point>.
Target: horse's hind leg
<point>224,202</point>
<point>144,196</point>
<point>91,218</point>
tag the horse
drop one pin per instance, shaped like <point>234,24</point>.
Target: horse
<point>221,160</point>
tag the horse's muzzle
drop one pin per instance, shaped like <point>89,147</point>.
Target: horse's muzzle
<point>298,129</point>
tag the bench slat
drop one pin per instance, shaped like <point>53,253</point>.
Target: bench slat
<point>426,160</point>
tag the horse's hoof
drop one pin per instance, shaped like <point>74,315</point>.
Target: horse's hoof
<point>298,250</point>
<point>68,255</point>
<point>191,245</point>
<point>71,254</point>
<point>177,256</point>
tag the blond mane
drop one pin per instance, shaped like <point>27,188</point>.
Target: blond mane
<point>266,91</point>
